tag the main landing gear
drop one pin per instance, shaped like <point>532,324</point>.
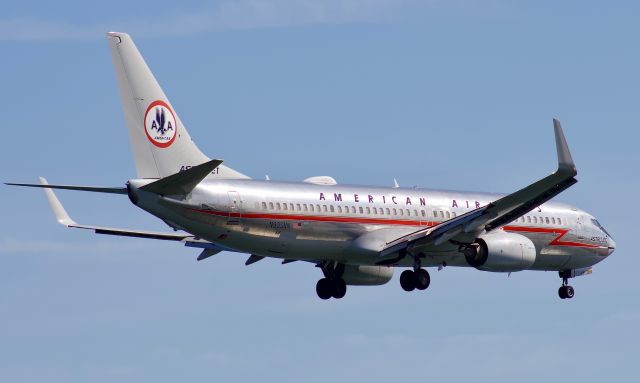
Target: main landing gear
<point>565,291</point>
<point>332,285</point>
<point>418,278</point>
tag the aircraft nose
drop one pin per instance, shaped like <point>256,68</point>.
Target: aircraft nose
<point>611,245</point>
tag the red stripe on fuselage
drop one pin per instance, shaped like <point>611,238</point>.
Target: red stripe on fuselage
<point>381,221</point>
<point>556,241</point>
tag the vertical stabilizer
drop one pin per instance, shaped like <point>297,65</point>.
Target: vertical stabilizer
<point>160,142</point>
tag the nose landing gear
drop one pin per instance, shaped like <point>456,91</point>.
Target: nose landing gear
<point>565,291</point>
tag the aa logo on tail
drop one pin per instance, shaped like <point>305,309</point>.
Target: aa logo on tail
<point>160,124</point>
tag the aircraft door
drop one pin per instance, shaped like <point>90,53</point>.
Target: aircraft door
<point>580,227</point>
<point>235,208</point>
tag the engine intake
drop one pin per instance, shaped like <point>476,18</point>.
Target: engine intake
<point>501,252</point>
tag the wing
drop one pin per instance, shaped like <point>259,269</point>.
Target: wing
<point>465,228</point>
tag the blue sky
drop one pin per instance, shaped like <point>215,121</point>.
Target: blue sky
<point>446,94</point>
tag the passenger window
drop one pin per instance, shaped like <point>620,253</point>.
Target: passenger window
<point>360,210</point>
<point>271,205</point>
<point>546,219</point>
<point>448,215</point>
<point>375,210</point>
<point>278,206</point>
<point>388,211</point>
<point>353,210</point>
<point>264,206</point>
<point>395,212</point>
<point>529,219</point>
<point>284,206</point>
<point>423,213</point>
<point>368,210</point>
<point>401,212</point>
<point>435,214</point>
<point>298,206</point>
<point>318,208</point>
<point>441,214</point>
<point>453,215</point>
<point>553,220</point>
<point>311,206</point>
<point>324,208</point>
<point>559,221</point>
<point>331,208</point>
<point>339,209</point>
<point>305,207</point>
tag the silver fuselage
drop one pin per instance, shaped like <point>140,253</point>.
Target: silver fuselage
<point>302,221</point>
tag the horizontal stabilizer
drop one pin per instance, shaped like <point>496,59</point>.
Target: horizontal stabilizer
<point>63,218</point>
<point>182,183</point>
<point>96,189</point>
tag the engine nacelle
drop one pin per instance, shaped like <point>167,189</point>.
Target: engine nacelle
<point>367,275</point>
<point>501,252</point>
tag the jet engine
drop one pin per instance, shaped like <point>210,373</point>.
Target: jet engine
<point>367,275</point>
<point>501,252</point>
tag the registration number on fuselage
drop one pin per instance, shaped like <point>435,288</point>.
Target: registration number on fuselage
<point>278,225</point>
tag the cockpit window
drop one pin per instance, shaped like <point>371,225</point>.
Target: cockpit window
<point>598,225</point>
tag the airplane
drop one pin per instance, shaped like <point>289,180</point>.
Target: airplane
<point>356,235</point>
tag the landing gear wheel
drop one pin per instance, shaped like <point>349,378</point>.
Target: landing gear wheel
<point>422,279</point>
<point>569,292</point>
<point>339,288</point>
<point>566,292</point>
<point>408,280</point>
<point>324,289</point>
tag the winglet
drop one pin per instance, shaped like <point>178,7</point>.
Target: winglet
<point>565,161</point>
<point>61,215</point>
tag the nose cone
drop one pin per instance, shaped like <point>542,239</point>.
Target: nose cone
<point>611,245</point>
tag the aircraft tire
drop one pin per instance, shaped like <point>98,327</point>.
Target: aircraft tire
<point>324,289</point>
<point>561,293</point>
<point>569,292</point>
<point>339,288</point>
<point>422,279</point>
<point>408,280</point>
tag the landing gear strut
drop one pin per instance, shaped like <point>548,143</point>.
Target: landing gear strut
<point>332,285</point>
<point>565,291</point>
<point>418,278</point>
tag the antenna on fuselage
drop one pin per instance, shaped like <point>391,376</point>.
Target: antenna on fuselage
<point>395,184</point>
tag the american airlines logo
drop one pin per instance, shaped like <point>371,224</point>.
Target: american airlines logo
<point>160,124</point>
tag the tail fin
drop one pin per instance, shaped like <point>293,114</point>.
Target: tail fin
<point>161,144</point>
